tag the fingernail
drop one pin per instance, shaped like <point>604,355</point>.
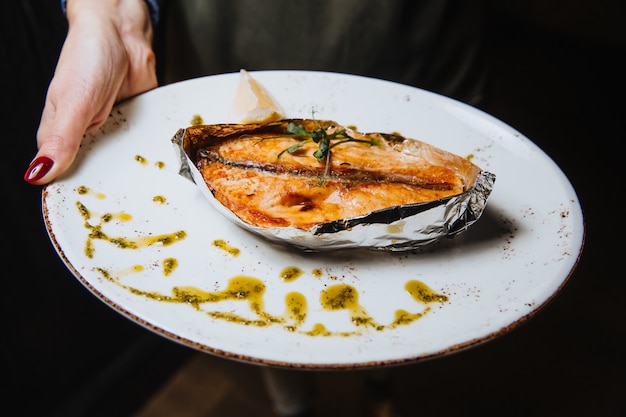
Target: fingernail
<point>38,169</point>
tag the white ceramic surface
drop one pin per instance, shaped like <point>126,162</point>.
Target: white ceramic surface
<point>495,275</point>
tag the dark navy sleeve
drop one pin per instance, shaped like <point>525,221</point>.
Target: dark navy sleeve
<point>153,5</point>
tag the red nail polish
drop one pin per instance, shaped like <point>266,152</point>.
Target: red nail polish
<point>38,169</point>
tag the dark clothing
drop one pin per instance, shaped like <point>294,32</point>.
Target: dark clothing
<point>435,45</point>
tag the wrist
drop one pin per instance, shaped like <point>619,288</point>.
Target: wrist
<point>153,7</point>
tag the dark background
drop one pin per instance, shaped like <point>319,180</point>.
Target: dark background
<point>556,75</point>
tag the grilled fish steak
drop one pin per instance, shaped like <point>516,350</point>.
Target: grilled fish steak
<point>248,169</point>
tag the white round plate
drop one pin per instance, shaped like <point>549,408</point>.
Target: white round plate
<point>110,219</point>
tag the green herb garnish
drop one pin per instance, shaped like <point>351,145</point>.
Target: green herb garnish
<point>326,142</point>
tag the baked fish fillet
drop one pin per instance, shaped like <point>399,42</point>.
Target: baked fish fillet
<point>277,174</point>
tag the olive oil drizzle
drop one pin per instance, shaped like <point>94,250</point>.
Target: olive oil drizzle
<point>169,265</point>
<point>222,244</point>
<point>250,290</point>
<point>290,273</point>
<point>96,232</point>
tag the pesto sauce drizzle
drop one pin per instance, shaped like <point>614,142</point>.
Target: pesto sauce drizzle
<point>250,290</point>
<point>97,233</point>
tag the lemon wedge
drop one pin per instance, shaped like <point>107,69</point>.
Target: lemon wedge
<point>253,103</point>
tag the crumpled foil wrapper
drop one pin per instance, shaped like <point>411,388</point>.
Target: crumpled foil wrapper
<point>399,228</point>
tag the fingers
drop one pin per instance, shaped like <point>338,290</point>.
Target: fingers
<point>79,98</point>
<point>106,57</point>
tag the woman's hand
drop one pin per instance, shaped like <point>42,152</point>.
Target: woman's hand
<point>107,57</point>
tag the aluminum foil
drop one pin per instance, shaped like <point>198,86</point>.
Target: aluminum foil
<point>399,228</point>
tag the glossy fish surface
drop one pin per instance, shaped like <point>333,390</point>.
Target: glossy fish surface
<point>314,183</point>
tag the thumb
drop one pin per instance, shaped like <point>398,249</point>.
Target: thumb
<point>61,132</point>
<point>56,154</point>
